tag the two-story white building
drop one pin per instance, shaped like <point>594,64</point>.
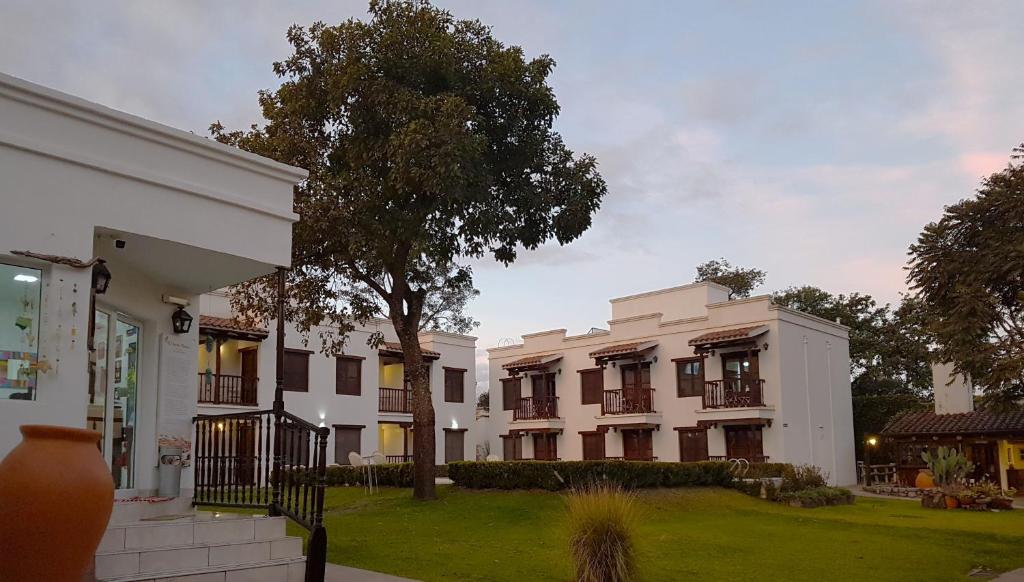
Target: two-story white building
<point>681,374</point>
<point>362,395</point>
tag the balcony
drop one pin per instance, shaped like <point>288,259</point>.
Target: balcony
<point>734,393</point>
<point>539,408</point>
<point>398,458</point>
<point>228,389</point>
<point>753,459</point>
<point>628,401</point>
<point>394,400</point>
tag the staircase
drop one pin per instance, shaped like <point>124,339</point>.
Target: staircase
<point>200,547</point>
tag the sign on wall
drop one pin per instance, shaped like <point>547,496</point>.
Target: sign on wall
<point>177,401</point>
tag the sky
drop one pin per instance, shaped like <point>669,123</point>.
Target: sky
<point>812,140</point>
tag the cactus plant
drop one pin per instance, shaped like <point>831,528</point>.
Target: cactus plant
<point>948,465</point>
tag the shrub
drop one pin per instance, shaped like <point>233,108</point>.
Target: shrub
<point>556,475</point>
<point>602,520</point>
<point>390,475</point>
<point>818,497</point>
<point>801,477</point>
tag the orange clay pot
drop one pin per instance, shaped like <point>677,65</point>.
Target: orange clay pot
<point>56,495</point>
<point>951,502</point>
<point>924,479</point>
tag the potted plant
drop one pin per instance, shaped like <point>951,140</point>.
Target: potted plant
<point>949,467</point>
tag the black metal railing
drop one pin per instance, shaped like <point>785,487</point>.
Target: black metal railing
<point>536,408</point>
<point>394,400</point>
<point>398,458</point>
<point>228,389</point>
<point>734,393</point>
<point>749,458</point>
<point>628,401</point>
<point>266,458</point>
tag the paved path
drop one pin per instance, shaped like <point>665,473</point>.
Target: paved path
<point>336,573</point>
<point>858,490</point>
<point>1014,576</point>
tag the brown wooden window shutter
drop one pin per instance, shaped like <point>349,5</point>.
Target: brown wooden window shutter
<point>347,439</point>
<point>512,447</point>
<point>296,370</point>
<point>693,445</point>
<point>348,376</point>
<point>593,446</point>
<point>454,445</point>
<point>511,392</point>
<point>689,377</point>
<point>454,385</point>
<point>591,386</point>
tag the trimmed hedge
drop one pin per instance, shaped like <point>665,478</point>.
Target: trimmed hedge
<point>391,475</point>
<point>556,475</point>
<point>818,497</point>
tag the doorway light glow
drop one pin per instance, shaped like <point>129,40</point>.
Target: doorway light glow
<point>23,278</point>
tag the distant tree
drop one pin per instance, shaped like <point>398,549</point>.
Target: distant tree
<point>967,269</point>
<point>739,280</point>
<point>428,143</point>
<point>483,401</point>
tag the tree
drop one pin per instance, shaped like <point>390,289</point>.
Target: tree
<point>428,143</point>
<point>483,401</point>
<point>740,281</point>
<point>967,269</point>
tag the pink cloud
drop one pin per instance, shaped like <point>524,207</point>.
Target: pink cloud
<point>980,164</point>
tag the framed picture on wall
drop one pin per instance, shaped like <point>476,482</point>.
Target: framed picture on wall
<point>117,371</point>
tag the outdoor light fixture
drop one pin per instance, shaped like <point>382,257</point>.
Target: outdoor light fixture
<point>23,278</point>
<point>100,277</point>
<point>182,320</point>
<point>872,441</point>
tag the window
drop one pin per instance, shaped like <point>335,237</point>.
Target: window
<point>689,377</point>
<point>545,446</point>
<point>638,445</point>
<point>296,370</point>
<point>346,440</point>
<point>454,445</point>
<point>591,386</point>
<point>512,447</point>
<point>511,391</point>
<point>20,296</point>
<point>454,383</point>
<point>693,445</point>
<point>744,442</point>
<point>593,446</point>
<point>348,375</point>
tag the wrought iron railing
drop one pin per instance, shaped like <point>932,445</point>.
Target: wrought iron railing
<point>628,401</point>
<point>734,393</point>
<point>398,458</point>
<point>749,459</point>
<point>228,389</point>
<point>536,408</point>
<point>394,400</point>
<point>266,458</point>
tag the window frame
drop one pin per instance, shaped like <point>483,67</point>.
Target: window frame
<point>339,380</point>
<point>598,390</point>
<point>285,384</point>
<point>696,381</point>
<point>689,430</point>
<point>358,430</point>
<point>450,386</point>
<point>505,391</point>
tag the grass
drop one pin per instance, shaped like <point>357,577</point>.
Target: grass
<point>705,534</point>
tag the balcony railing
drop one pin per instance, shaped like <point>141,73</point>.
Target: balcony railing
<point>228,389</point>
<point>750,459</point>
<point>395,400</point>
<point>538,408</point>
<point>628,401</point>
<point>398,458</point>
<point>734,393</point>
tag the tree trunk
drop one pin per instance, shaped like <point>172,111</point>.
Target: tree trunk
<point>423,445</point>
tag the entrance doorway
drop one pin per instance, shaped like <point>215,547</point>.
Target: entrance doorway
<point>113,392</point>
<point>744,442</point>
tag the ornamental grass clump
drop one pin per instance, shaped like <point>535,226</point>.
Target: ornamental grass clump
<point>602,524</point>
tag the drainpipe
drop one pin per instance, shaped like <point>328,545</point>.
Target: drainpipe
<point>831,410</point>
<point>807,384</point>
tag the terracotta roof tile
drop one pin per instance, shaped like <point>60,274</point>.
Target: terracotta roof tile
<point>229,324</point>
<point>728,335</point>
<point>532,361</point>
<point>397,347</point>
<point>978,422</point>
<point>622,349</point>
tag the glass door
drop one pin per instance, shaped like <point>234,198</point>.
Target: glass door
<point>113,394</point>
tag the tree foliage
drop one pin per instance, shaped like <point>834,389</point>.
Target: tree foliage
<point>428,143</point>
<point>739,280</point>
<point>888,347</point>
<point>968,271</point>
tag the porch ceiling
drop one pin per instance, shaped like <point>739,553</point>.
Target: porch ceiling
<point>188,269</point>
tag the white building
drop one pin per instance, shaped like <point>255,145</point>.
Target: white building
<point>680,374</point>
<point>362,395</point>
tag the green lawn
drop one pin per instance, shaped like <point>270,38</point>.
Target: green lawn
<point>705,534</point>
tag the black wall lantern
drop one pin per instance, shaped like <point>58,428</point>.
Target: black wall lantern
<point>100,277</point>
<point>182,320</point>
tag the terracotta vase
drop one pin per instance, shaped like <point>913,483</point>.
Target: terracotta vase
<point>924,479</point>
<point>951,502</point>
<point>56,495</point>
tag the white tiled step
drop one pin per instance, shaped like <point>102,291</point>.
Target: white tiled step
<point>282,570</point>
<point>199,556</point>
<point>198,528</point>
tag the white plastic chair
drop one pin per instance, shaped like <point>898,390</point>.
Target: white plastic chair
<point>492,458</point>
<point>356,461</point>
